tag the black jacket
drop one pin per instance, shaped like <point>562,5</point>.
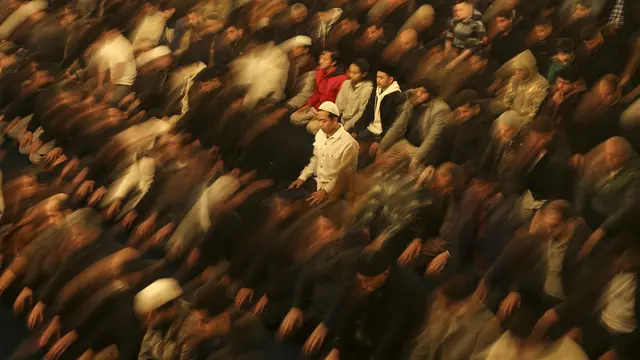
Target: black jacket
<point>390,108</point>
<point>523,265</point>
<point>382,320</point>
<point>545,176</point>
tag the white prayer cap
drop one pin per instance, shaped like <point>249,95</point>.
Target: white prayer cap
<point>294,42</point>
<point>330,107</point>
<point>148,56</point>
<point>159,293</point>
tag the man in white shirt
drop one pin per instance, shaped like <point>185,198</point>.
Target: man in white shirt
<point>335,151</point>
<point>114,58</point>
<point>150,28</point>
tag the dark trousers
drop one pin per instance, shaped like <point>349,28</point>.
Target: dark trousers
<point>365,139</point>
<point>304,191</point>
<point>597,340</point>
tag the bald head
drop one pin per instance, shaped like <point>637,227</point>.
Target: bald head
<point>408,39</point>
<point>617,151</point>
<point>608,89</point>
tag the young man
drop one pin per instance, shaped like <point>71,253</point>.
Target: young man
<point>372,318</point>
<point>329,79</point>
<point>114,58</point>
<point>381,110</point>
<point>564,98</point>
<point>457,325</point>
<point>509,42</point>
<point>598,55</point>
<point>335,151</point>
<point>354,94</point>
<point>469,135</point>
<point>542,43</point>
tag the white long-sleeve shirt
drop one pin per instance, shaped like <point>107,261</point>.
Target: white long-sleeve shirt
<point>331,155</point>
<point>265,72</point>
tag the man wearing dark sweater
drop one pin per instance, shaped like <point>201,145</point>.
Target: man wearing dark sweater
<point>374,315</point>
<point>509,41</point>
<point>464,140</point>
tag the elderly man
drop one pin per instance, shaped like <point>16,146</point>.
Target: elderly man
<point>608,200</point>
<point>335,150</point>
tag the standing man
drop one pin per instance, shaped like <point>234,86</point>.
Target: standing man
<point>334,151</point>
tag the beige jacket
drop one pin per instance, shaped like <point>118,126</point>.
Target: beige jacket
<point>524,96</point>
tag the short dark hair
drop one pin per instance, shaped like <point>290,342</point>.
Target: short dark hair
<point>465,97</point>
<point>349,15</point>
<point>167,306</point>
<point>390,30</point>
<point>236,25</point>
<point>363,65</point>
<point>458,287</point>
<point>212,297</point>
<point>505,13</point>
<point>565,46</point>
<point>372,265</point>
<point>543,20</point>
<point>387,69</point>
<point>463,2</point>
<point>428,85</point>
<point>589,32</point>
<point>568,73</point>
<point>548,4</point>
<point>264,34</point>
<point>335,54</point>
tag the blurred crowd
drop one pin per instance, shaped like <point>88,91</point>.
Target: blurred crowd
<point>338,179</point>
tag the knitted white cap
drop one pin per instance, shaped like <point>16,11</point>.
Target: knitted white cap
<point>330,107</point>
<point>294,42</point>
<point>159,293</point>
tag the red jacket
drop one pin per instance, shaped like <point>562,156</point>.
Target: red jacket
<point>327,86</point>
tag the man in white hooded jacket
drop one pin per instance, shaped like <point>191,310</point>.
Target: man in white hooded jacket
<point>381,110</point>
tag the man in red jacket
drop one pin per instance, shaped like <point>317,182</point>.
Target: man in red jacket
<point>329,79</point>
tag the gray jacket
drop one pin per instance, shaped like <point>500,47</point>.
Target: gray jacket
<point>462,337</point>
<point>305,85</point>
<point>170,344</point>
<point>435,118</point>
<point>352,101</point>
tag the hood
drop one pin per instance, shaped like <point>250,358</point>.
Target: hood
<point>525,60</point>
<point>391,89</point>
<point>340,70</point>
